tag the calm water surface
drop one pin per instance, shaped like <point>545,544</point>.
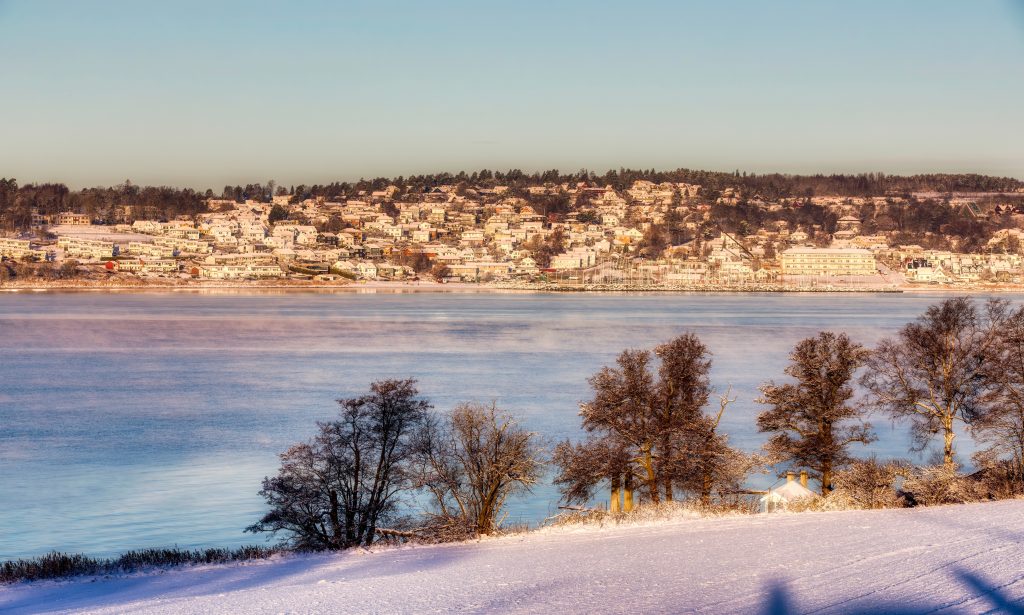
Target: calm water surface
<point>149,419</point>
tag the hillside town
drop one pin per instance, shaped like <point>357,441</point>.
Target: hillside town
<point>670,235</point>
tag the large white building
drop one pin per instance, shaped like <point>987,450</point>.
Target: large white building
<point>75,247</point>
<point>20,249</point>
<point>828,262</point>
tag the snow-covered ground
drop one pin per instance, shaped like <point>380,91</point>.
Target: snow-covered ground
<point>952,559</point>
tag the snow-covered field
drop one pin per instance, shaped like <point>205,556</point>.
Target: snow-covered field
<point>952,559</point>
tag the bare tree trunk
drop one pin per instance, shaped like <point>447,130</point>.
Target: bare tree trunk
<point>666,476</point>
<point>707,465</point>
<point>350,528</point>
<point>705,489</point>
<point>652,479</point>
<point>947,453</point>
<point>335,521</point>
<point>485,518</point>
<point>613,504</point>
<point>627,504</point>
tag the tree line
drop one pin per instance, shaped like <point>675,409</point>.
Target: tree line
<point>105,204</point>
<point>765,185</point>
<point>102,205</point>
<point>652,435</point>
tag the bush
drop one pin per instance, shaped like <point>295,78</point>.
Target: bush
<point>999,478</point>
<point>867,483</point>
<point>810,504</point>
<point>68,269</point>
<point>932,485</point>
<point>55,565</point>
<point>440,271</point>
<point>11,269</point>
<point>648,512</point>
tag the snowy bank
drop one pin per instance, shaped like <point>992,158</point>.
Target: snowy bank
<point>954,559</point>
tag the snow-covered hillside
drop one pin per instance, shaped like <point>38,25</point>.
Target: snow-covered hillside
<point>949,559</point>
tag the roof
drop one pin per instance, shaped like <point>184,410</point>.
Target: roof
<point>793,490</point>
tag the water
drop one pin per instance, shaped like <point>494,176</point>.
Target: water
<point>148,419</point>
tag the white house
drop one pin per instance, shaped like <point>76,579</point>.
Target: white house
<point>779,499</point>
<point>366,270</point>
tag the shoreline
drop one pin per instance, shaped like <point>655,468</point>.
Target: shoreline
<point>498,287</point>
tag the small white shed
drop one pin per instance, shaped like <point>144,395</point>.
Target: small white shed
<point>778,499</point>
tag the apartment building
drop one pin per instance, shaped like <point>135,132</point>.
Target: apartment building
<point>86,248</point>
<point>828,262</point>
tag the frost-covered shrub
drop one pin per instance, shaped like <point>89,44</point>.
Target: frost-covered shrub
<point>56,565</point>
<point>581,517</point>
<point>931,485</point>
<point>868,483</point>
<point>807,504</point>
<point>1000,478</point>
<point>653,513</point>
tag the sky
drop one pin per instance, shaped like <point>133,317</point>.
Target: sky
<point>206,93</point>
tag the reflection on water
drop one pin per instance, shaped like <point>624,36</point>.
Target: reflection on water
<point>149,419</point>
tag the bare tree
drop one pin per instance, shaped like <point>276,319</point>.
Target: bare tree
<point>622,408</point>
<point>932,373</point>
<point>334,491</point>
<point>471,461</point>
<point>658,426</point>
<point>717,466</point>
<point>812,422</point>
<point>681,393</point>
<point>999,422</point>
<point>598,460</point>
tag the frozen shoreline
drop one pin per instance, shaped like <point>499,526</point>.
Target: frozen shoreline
<point>466,287</point>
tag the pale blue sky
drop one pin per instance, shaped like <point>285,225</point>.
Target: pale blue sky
<point>206,93</point>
